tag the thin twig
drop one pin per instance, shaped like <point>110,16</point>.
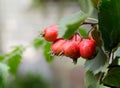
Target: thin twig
<point>89,23</point>
<point>93,26</point>
<point>100,77</point>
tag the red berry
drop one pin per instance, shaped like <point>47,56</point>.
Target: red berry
<point>71,49</point>
<point>87,48</point>
<point>50,33</point>
<point>57,46</point>
<point>91,38</point>
<point>77,38</point>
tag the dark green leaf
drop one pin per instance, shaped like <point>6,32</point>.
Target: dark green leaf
<point>92,81</point>
<point>37,42</point>
<point>14,58</point>
<point>83,32</point>
<point>96,64</point>
<point>112,78</point>
<point>47,53</point>
<point>109,23</point>
<point>3,74</point>
<point>70,24</point>
<point>86,6</point>
<point>115,62</point>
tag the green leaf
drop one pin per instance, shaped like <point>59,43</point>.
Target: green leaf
<point>37,42</point>
<point>3,74</point>
<point>14,62</point>
<point>69,24</point>
<point>96,64</point>
<point>14,58</point>
<point>92,81</point>
<point>86,6</point>
<point>83,32</point>
<point>2,57</point>
<point>109,23</point>
<point>47,53</point>
<point>115,62</point>
<point>112,78</point>
<point>117,53</point>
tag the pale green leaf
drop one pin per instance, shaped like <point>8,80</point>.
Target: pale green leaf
<point>3,74</point>
<point>37,42</point>
<point>47,53</point>
<point>96,64</point>
<point>14,58</point>
<point>92,81</point>
<point>86,6</point>
<point>69,24</point>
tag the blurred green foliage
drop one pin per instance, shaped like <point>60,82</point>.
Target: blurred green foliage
<point>38,42</point>
<point>13,58</point>
<point>39,3</point>
<point>92,81</point>
<point>3,74</point>
<point>29,81</point>
<point>47,53</point>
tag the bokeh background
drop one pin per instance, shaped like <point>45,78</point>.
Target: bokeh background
<point>23,20</point>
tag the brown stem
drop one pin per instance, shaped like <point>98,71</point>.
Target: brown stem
<point>76,33</point>
<point>100,77</point>
<point>92,24</point>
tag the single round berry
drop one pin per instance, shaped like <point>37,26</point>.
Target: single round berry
<point>71,49</point>
<point>91,38</point>
<point>50,33</point>
<point>87,48</point>
<point>57,47</point>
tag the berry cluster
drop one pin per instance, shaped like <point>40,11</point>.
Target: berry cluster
<point>74,48</point>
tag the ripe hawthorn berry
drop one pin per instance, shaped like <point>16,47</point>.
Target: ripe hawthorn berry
<point>50,33</point>
<point>57,47</point>
<point>91,38</point>
<point>87,48</point>
<point>71,49</point>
